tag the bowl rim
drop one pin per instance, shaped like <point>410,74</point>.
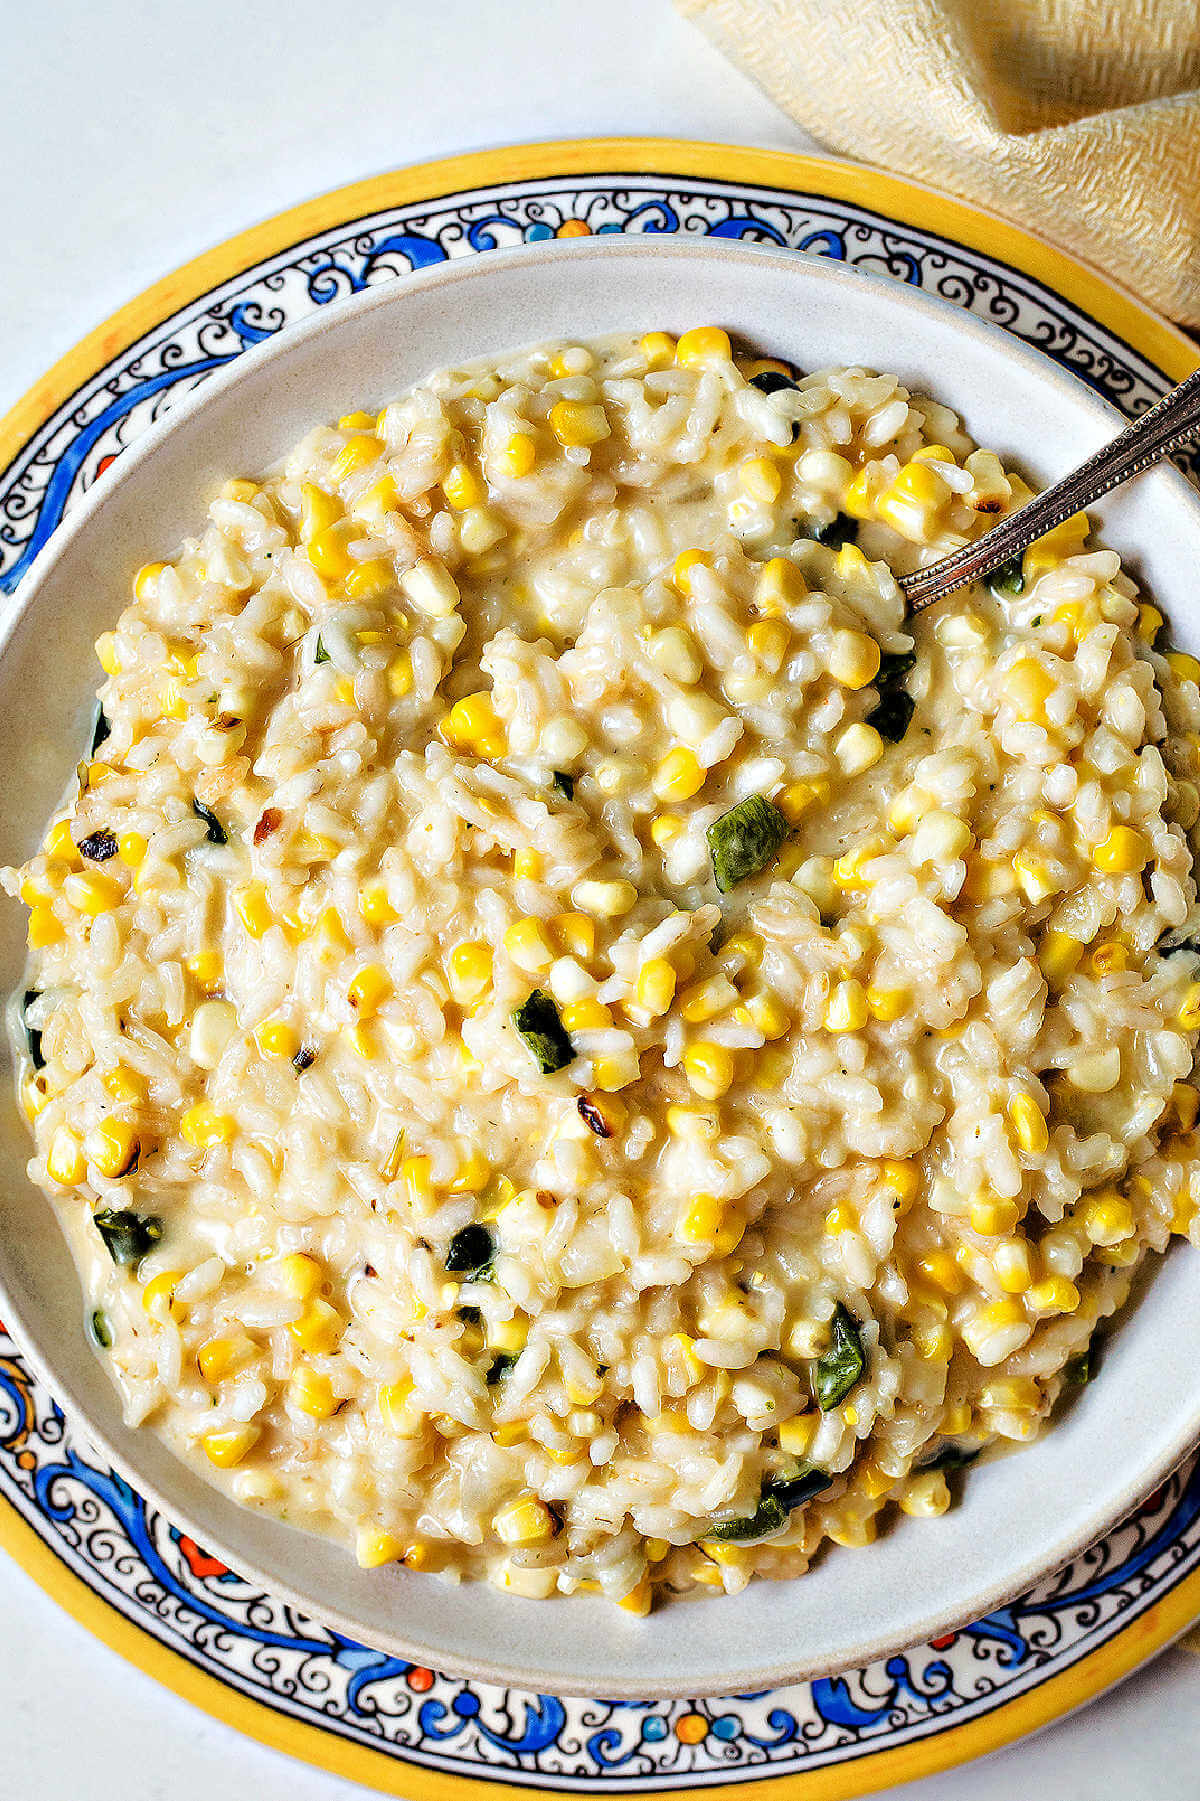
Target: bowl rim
<point>22,602</point>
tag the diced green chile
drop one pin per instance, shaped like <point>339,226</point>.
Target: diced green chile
<point>779,1495</point>
<point>793,1490</point>
<point>33,1035</point>
<point>470,1253</point>
<point>216,833</point>
<point>97,847</point>
<point>842,1366</point>
<point>832,533</point>
<point>100,1330</point>
<point>1079,1370</point>
<point>320,654</point>
<point>950,1457</point>
<point>100,730</point>
<point>470,1316</point>
<point>745,840</point>
<point>128,1236</point>
<point>543,1032</point>
<point>564,783</point>
<point>1009,579</point>
<point>892,715</point>
<point>771,381</point>
<point>1182,944</point>
<point>500,1365</point>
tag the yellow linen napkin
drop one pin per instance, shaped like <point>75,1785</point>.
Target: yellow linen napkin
<point>1077,118</point>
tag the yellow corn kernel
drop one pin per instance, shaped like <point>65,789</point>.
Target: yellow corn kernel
<point>508,1335</point>
<point>400,676</point>
<point>587,1015</point>
<point>362,1041</point>
<point>355,454</point>
<point>511,1434</point>
<point>319,1329</point>
<point>44,928</point>
<point>760,479</point>
<point>940,1268</point>
<point>612,1073</point>
<point>527,1521</point>
<point>463,488</point>
<point>107,653</point>
<point>328,554</point>
<point>1189,1009</point>
<point>368,990</point>
<point>1037,879</point>
<point>205,966</point>
<point>59,843</point>
<point>655,988</point>
<point>640,1598</point>
<point>1108,958</point>
<point>779,584</point>
<point>604,900</point>
<point>797,1434</point>
<point>374,905</point>
<point>370,581</point>
<point>311,1392</point>
<point>344,689</point>
<point>124,1085</point>
<point>768,641</point>
<point>275,1038</point>
<point>1028,1124</point>
<point>684,567</point>
<point>92,894</point>
<point>113,1147</point>
<point>518,456</point>
<point>904,1179</point>
<point>158,1296</point>
<point>470,972</point>
<point>527,944</point>
<point>415,1175</point>
<point>1185,1105</point>
<point>854,659</point>
<point>1106,1217</point>
<point>767,1014</point>
<point>658,348</point>
<point>679,775</point>
<point>376,502</point>
<point>709,1069</point>
<point>1058,955</point>
<point>253,908</point>
<point>578,423</point>
<point>886,1004</point>
<point>65,1161</point>
<point>374,1547</point>
<point>527,865</point>
<point>227,1446</point>
<point>472,724</point>
<point>1028,687</point>
<point>318,510</point>
<point>702,1219</point>
<point>840,1218</point>
<point>1185,667</point>
<point>1055,1294</point>
<point>220,1357</point>
<point>204,1127</point>
<point>299,1274</point>
<point>703,346</point>
<point>577,933</point>
<point>665,829</point>
<point>1123,851</point>
<point>992,1217</point>
<point>846,1010</point>
<point>145,582</point>
<point>1149,623</point>
<point>399,1412</point>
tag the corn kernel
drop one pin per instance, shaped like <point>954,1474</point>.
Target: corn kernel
<point>415,1174</point>
<point>665,829</point>
<point>1185,1105</point>
<point>158,1296</point>
<point>639,1599</point>
<point>1058,955</point>
<point>604,900</point>
<point>400,676</point>
<point>709,1069</point>
<point>311,1392</point>
<point>887,1004</point>
<point>940,1268</point>
<point>576,423</point>
<point>430,586</point>
<point>1028,687</point>
<point>655,988</point>
<point>992,1217</point>
<point>92,894</point>
<point>463,488</point>
<point>228,1446</point>
<point>1028,1124</point>
<point>846,1010</point>
<point>368,990</point>
<point>1055,1294</point>
<point>854,659</point>
<point>701,1219</point>
<point>328,554</point>
<point>1189,1009</point>
<point>703,346</point>
<point>253,908</point>
<point>519,455</point>
<point>399,1412</point>
<point>1106,1217</point>
<point>220,1357</point>
<point>586,1015</point>
<point>124,1085</point>
<point>1123,851</point>
<point>65,1161</point>
<point>527,1521</point>
<point>1185,667</point>
<point>658,348</point>
<point>470,972</point>
<point>43,929</point>
<point>509,1336</point>
<point>1149,623</point>
<point>300,1275</point>
<point>275,1038</point>
<point>107,653</point>
<point>113,1147</point>
<point>761,480</point>
<point>679,775</point>
<point>684,567</point>
<point>204,1127</point>
<point>527,944</point>
<point>206,967</point>
<point>577,933</point>
<point>370,581</point>
<point>145,582</point>
<point>473,724</point>
<point>609,1074</point>
<point>471,1176</point>
<point>319,1329</point>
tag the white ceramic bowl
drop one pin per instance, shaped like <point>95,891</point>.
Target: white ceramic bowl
<point>1020,1516</point>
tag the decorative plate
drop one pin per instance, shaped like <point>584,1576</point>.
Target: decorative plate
<point>77,1527</point>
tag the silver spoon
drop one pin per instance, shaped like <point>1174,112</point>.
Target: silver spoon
<point>1169,424</point>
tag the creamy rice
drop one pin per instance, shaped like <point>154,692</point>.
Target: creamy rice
<point>451,1165</point>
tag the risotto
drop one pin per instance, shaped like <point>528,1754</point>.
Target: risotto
<point>572,1045</point>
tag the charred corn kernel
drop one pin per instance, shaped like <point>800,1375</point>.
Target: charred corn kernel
<point>655,989</point>
<point>275,1038</point>
<point>1189,1010</point>
<point>471,1176</point>
<point>1185,667</point>
<point>940,1268</point>
<point>992,1217</point>
<point>1058,955</point>
<point>253,908</point>
<point>527,1521</point>
<point>886,1004</point>
<point>1106,1217</point>
<point>112,1147</point>
<point>1185,1105</point>
<point>92,894</point>
<point>227,1446</point>
<point>463,488</point>
<point>399,1412</point>
<point>145,582</point>
<point>1055,1294</point>
<point>1028,1124</point>
<point>43,928</point>
<point>107,653</point>
<point>220,1357</point>
<point>508,1335</point>
<point>703,346</point>
<point>854,659</point>
<point>519,455</point>
<point>204,1127</point>
<point>473,724</point>
<point>311,1392</point>
<point>374,905</point>
<point>354,455</point>
<point>415,1173</point>
<point>760,479</point>
<point>328,554</point>
<point>319,1329</point>
<point>679,775</point>
<point>709,1069</point>
<point>604,900</point>
<point>578,423</point>
<point>1149,623</point>
<point>1124,850</point>
<point>577,934</point>
<point>658,348</point>
<point>318,510</point>
<point>65,1161</point>
<point>1028,687</point>
<point>124,1085</point>
<point>369,581</point>
<point>400,676</point>
<point>158,1296</point>
<point>587,1015</point>
<point>846,1009</point>
<point>528,945</point>
<point>684,567</point>
<point>368,990</point>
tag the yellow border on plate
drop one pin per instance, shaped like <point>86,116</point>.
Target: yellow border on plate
<point>857,184</point>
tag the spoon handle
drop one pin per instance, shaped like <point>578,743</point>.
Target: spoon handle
<point>1168,424</point>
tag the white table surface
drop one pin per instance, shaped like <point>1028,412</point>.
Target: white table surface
<point>133,138</point>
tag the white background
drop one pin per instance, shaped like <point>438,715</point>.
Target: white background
<point>133,135</point>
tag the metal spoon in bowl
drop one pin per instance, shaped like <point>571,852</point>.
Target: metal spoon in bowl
<point>1168,425</point>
